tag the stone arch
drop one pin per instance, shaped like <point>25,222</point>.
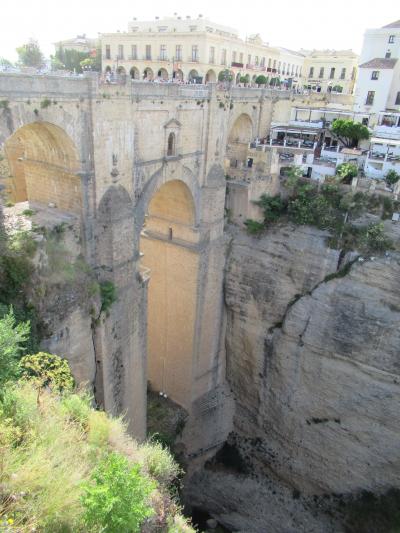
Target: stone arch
<point>178,75</point>
<point>173,201</point>
<point>107,69</point>
<point>193,74</point>
<point>134,73</point>
<point>241,130</point>
<point>211,77</point>
<point>163,74</point>
<point>148,74</point>
<point>44,166</point>
<point>171,260</point>
<point>114,234</point>
<point>121,74</point>
<point>238,76</point>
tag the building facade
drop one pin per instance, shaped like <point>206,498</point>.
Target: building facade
<point>330,70</point>
<point>80,43</point>
<point>378,93</point>
<point>196,50</point>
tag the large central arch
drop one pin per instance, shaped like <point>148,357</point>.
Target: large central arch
<point>169,252</point>
<point>44,163</point>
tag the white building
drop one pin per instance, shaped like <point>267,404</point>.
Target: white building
<point>378,92</point>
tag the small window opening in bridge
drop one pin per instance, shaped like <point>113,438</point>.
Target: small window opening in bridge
<point>250,162</point>
<point>171,144</point>
<point>170,233</point>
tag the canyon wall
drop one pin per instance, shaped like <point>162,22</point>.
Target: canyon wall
<point>313,360</point>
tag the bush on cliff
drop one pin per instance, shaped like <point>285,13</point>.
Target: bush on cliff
<point>66,467</point>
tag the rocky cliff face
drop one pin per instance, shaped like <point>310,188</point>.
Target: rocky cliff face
<point>314,362</point>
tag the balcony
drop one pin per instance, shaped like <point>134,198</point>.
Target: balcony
<point>307,123</point>
<point>387,132</point>
<point>162,58</point>
<point>132,58</point>
<point>193,59</point>
<point>237,65</point>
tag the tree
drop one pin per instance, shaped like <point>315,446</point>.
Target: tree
<point>392,177</point>
<point>349,132</point>
<point>347,171</point>
<point>245,79</point>
<point>12,339</point>
<point>30,54</point>
<point>5,62</point>
<point>70,59</point>
<point>225,75</point>
<point>261,80</point>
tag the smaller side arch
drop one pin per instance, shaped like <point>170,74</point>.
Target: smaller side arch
<point>134,73</point>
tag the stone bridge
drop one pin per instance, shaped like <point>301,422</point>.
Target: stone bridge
<point>142,167</point>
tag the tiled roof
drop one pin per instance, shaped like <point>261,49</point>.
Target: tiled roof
<point>380,62</point>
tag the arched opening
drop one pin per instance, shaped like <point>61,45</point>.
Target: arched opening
<point>163,74</point>
<point>108,69</point>
<point>121,74</point>
<point>171,144</point>
<point>178,75</point>
<point>253,79</point>
<point>170,257</point>
<point>134,73</point>
<point>211,77</point>
<point>237,78</point>
<point>43,165</point>
<point>240,135</point>
<point>148,74</point>
<point>193,75</point>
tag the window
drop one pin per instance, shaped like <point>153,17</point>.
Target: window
<point>370,98</point>
<point>193,28</point>
<point>283,68</point>
<point>223,56</point>
<point>134,51</point>
<point>391,39</point>
<point>321,72</point>
<point>262,64</point>
<point>163,52</point>
<point>364,121</point>
<point>397,101</point>
<point>108,51</point>
<point>353,73</point>
<point>195,52</point>
<point>178,52</point>
<point>148,51</point>
<point>120,51</point>
<point>274,64</point>
<point>375,75</point>
<point>162,28</point>
<point>249,59</point>
<point>279,66</point>
<point>234,57</point>
<point>171,144</point>
<point>332,73</point>
<point>256,61</point>
<point>212,54</point>
<point>388,54</point>
<point>241,57</point>
<point>311,73</point>
<point>343,74</point>
<point>269,63</point>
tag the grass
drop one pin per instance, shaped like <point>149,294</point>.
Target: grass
<point>51,447</point>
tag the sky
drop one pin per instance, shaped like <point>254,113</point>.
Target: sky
<point>293,24</point>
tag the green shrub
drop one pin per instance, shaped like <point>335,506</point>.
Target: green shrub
<point>254,227</point>
<point>347,171</point>
<point>273,207</point>
<point>392,177</point>
<point>46,102</point>
<point>108,295</point>
<point>261,80</point>
<point>374,513</point>
<point>47,370</point>
<point>13,337</point>
<point>116,498</point>
<point>375,240</point>
<point>159,463</point>
<point>28,212</point>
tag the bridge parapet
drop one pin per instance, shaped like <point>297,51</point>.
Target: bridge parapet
<point>28,86</point>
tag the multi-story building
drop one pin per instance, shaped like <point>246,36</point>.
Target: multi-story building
<point>195,50</point>
<point>378,93</point>
<point>330,70</point>
<point>80,43</point>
